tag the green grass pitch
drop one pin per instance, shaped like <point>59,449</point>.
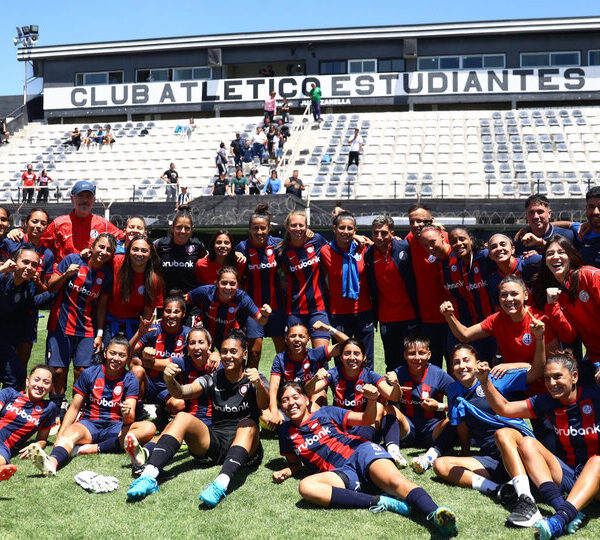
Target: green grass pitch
<point>35,507</point>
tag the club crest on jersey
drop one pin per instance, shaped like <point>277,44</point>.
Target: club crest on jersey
<point>179,342</point>
<point>141,289</point>
<point>424,394</point>
<point>584,296</point>
<point>431,258</point>
<point>476,270</point>
<point>190,249</point>
<point>99,281</point>
<point>527,339</point>
<point>231,309</point>
<point>243,389</point>
<point>314,426</point>
<point>587,409</point>
<point>37,408</point>
<point>402,255</point>
<point>357,257</point>
<point>17,298</point>
<point>306,365</point>
<point>453,268</point>
<point>118,390</point>
<point>479,391</point>
<point>310,249</point>
<point>269,252</point>
<point>93,234</point>
<point>359,387</point>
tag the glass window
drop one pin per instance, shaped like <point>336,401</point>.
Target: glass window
<point>333,68</point>
<point>159,75</point>
<point>535,59</point>
<point>427,63</point>
<point>390,65</point>
<point>449,62</point>
<point>472,62</point>
<point>564,59</point>
<point>115,77</point>
<point>594,58</point>
<point>362,66</point>
<point>202,73</point>
<point>494,61</point>
<point>78,79</point>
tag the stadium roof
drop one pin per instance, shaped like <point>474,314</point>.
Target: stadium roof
<point>318,35</point>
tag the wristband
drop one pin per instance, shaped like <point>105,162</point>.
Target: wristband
<point>332,331</point>
<point>441,407</point>
<point>100,333</point>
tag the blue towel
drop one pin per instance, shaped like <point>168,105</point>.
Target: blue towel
<point>350,279</point>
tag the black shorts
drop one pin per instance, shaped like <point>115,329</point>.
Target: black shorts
<point>221,438</point>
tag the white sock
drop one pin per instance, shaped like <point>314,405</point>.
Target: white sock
<point>432,454</point>
<point>151,471</point>
<point>482,484</point>
<point>393,447</point>
<point>521,484</point>
<point>222,481</point>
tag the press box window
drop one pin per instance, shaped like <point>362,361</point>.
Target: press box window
<point>362,66</point>
<point>333,68</point>
<point>390,65</point>
<point>545,59</point>
<point>594,58</point>
<point>104,77</point>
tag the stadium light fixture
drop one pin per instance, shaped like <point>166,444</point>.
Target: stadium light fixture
<point>27,36</point>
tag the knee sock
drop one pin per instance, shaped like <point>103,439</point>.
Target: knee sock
<point>149,448</point>
<point>60,455</point>
<point>346,498</point>
<point>390,429</point>
<point>235,459</point>
<point>110,446</point>
<point>367,432</point>
<point>420,499</point>
<point>165,449</point>
<point>551,494</point>
<point>482,484</point>
<point>566,513</point>
<point>57,399</point>
<point>522,487</point>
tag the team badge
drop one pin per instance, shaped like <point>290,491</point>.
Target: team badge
<point>527,339</point>
<point>479,391</point>
<point>424,394</point>
<point>584,296</point>
<point>357,256</point>
<point>587,409</point>
<point>431,258</point>
<point>118,390</point>
<point>99,281</point>
<point>314,426</point>
<point>243,389</point>
<point>179,342</point>
<point>402,255</point>
<point>476,270</point>
<point>190,249</point>
<point>37,408</point>
<point>17,298</point>
<point>306,365</point>
<point>93,234</point>
<point>269,252</point>
<point>141,289</point>
<point>231,309</point>
<point>359,387</point>
<point>310,249</point>
<point>453,268</point>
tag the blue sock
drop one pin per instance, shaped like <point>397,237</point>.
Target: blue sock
<point>346,498</point>
<point>366,432</point>
<point>551,494</point>
<point>60,454</point>
<point>149,447</point>
<point>110,446</point>
<point>390,429</point>
<point>420,499</point>
<point>566,513</point>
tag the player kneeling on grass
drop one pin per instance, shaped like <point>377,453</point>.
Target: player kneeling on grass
<point>22,414</point>
<point>237,397</point>
<point>106,396</point>
<point>348,464</point>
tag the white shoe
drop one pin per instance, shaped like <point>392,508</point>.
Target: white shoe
<point>399,459</point>
<point>134,449</point>
<point>420,464</point>
<point>41,460</point>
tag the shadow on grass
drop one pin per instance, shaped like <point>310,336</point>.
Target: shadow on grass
<point>7,498</point>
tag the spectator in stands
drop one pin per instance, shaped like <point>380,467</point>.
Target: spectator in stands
<point>183,198</point>
<point>247,158</point>
<point>28,185</point>
<point>171,177</point>
<point>273,184</point>
<point>356,144</point>
<point>315,101</point>
<point>108,135</point>
<point>220,186</point>
<point>235,150</point>
<point>254,182</point>
<point>99,136</point>
<point>294,186</point>
<point>267,72</point>
<point>285,111</point>
<point>271,132</point>
<point>87,140</point>
<point>283,129</point>
<point>270,107</point>
<point>259,143</point>
<point>74,139</point>
<point>43,187</point>
<point>277,148</point>
<point>221,159</point>
<point>189,129</point>
<point>239,183</point>
<point>4,133</point>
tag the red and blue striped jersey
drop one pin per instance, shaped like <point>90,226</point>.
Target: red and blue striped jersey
<point>305,284</point>
<point>467,288</point>
<point>166,345</point>
<point>219,318</point>
<point>262,279</point>
<point>20,418</point>
<point>526,268</point>
<point>576,424</point>
<point>74,309</point>
<point>200,407</point>
<point>46,267</point>
<point>103,395</point>
<point>322,440</point>
<point>347,392</point>
<point>300,370</point>
<point>434,384</point>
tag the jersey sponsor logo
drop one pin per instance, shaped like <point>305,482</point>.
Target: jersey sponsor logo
<point>167,354</point>
<point>262,266</point>
<point>572,431</point>
<point>82,290</point>
<point>410,401</point>
<point>141,289</point>
<point>450,286</point>
<point>217,319</point>
<point>527,339</point>
<point>308,442</point>
<point>243,389</point>
<point>304,264</point>
<point>479,285</point>
<point>479,391</point>
<point>231,408</point>
<point>22,414</point>
<point>584,296</point>
<point>344,403</point>
<point>587,409</point>
<point>178,264</point>
<point>103,402</point>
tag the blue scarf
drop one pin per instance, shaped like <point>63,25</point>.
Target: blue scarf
<point>462,407</point>
<point>350,280</point>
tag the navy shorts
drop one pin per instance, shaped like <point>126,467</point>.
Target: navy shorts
<point>495,468</point>
<point>102,430</point>
<point>308,321</point>
<point>355,472</point>
<point>156,391</point>
<point>5,453</point>
<point>358,326</point>
<point>422,437</point>
<point>61,349</point>
<point>569,476</point>
<point>275,326</point>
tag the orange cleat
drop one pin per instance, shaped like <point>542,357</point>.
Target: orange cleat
<point>6,471</point>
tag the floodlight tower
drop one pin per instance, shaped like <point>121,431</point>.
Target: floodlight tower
<point>27,37</point>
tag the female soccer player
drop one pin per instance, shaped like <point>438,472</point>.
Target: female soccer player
<point>4,221</point>
<point>225,306</point>
<point>498,460</point>
<point>574,412</point>
<point>300,258</point>
<point>569,292</point>
<point>22,415</point>
<point>134,227</point>
<point>101,414</point>
<point>347,463</point>
<point>220,254</point>
<point>77,317</point>
<point>347,382</point>
<point>262,283</point>
<point>237,396</point>
<point>350,305</point>
<point>137,289</point>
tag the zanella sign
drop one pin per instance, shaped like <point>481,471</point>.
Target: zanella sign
<point>380,85</point>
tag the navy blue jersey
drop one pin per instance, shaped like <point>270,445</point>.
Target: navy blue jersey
<point>347,392</point>
<point>166,345</point>
<point>588,246</point>
<point>576,425</point>
<point>552,230</point>
<point>103,395</point>
<point>526,268</point>
<point>17,305</point>
<point>321,441</point>
<point>8,247</point>
<point>434,384</point>
<point>20,418</point>
<point>482,433</point>
<point>300,370</point>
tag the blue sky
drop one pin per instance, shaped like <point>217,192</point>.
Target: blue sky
<point>111,20</point>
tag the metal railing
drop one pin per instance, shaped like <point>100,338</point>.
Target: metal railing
<point>298,128</point>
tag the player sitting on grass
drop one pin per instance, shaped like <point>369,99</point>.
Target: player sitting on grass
<point>349,465</point>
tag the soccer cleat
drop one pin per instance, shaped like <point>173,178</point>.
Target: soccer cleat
<point>525,513</point>
<point>399,459</point>
<point>445,521</point>
<point>212,495</point>
<point>506,495</point>
<point>134,449</point>
<point>546,529</point>
<point>6,471</point>
<point>575,525</point>
<point>41,460</point>
<point>420,464</point>
<point>390,504</point>
<point>142,487</point>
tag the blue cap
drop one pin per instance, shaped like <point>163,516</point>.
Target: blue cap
<point>83,185</point>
